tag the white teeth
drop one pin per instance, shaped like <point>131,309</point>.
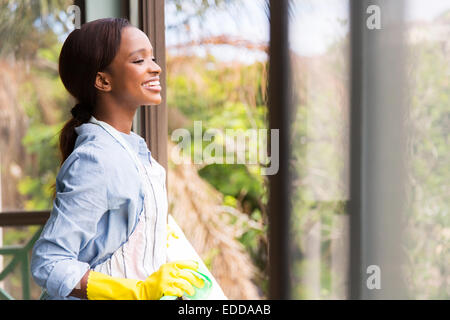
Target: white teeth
<point>151,83</point>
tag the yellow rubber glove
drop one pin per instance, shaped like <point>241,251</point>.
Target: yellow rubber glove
<point>171,279</point>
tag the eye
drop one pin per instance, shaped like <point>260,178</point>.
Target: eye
<point>139,61</point>
<point>154,59</point>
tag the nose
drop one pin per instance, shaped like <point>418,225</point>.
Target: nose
<point>154,67</point>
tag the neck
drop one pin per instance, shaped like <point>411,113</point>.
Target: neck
<point>118,116</point>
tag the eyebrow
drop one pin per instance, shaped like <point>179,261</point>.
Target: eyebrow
<point>139,50</point>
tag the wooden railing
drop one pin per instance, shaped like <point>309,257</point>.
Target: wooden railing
<point>20,253</point>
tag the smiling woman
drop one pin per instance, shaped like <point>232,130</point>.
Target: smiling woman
<point>120,84</point>
<point>106,236</point>
<point>117,70</point>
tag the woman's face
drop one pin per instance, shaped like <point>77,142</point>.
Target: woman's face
<point>133,73</point>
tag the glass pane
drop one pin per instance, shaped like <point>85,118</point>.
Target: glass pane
<point>320,64</point>
<point>33,106</point>
<point>216,95</point>
<point>319,53</point>
<point>428,124</point>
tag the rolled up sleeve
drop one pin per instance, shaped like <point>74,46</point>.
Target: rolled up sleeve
<point>80,202</point>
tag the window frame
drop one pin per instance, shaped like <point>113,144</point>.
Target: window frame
<point>153,120</point>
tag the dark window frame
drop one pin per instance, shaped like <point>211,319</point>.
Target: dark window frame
<point>279,184</point>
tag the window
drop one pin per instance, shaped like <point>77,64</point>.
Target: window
<point>319,58</point>
<point>216,94</point>
<point>318,136</point>
<point>34,105</point>
<point>369,216</point>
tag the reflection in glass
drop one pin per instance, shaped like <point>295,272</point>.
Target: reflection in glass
<point>319,32</point>
<point>427,245</point>
<point>320,75</point>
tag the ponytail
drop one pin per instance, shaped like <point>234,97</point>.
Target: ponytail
<point>81,113</point>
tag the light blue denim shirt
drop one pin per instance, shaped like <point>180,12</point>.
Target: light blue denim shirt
<point>98,200</point>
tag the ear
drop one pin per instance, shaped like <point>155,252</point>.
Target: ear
<point>103,82</point>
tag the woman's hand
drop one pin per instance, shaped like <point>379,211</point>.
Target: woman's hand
<point>172,279</point>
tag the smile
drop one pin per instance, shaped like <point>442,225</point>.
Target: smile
<point>152,84</point>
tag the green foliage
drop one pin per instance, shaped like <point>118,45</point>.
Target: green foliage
<point>251,239</point>
<point>228,97</point>
<point>26,26</point>
<point>41,142</point>
<point>427,246</point>
<point>234,180</point>
<point>28,38</point>
<point>41,139</point>
<point>211,97</point>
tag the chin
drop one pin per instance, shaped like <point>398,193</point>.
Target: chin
<point>155,101</point>
<point>150,102</point>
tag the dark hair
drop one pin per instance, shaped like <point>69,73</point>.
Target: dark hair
<point>85,52</point>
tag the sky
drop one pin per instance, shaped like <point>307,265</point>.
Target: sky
<point>314,24</point>
<point>317,22</point>
<point>426,10</point>
<point>245,19</point>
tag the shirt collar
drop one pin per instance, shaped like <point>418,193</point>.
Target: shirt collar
<point>137,143</point>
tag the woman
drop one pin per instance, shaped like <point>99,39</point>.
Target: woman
<point>106,235</point>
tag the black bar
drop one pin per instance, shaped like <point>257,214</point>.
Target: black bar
<point>125,9</point>
<point>82,5</point>
<point>279,199</point>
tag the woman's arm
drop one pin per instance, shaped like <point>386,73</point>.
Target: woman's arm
<point>82,292</point>
<point>172,278</point>
<point>80,202</point>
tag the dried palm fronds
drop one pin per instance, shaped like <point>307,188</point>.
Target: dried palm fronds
<point>197,208</point>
